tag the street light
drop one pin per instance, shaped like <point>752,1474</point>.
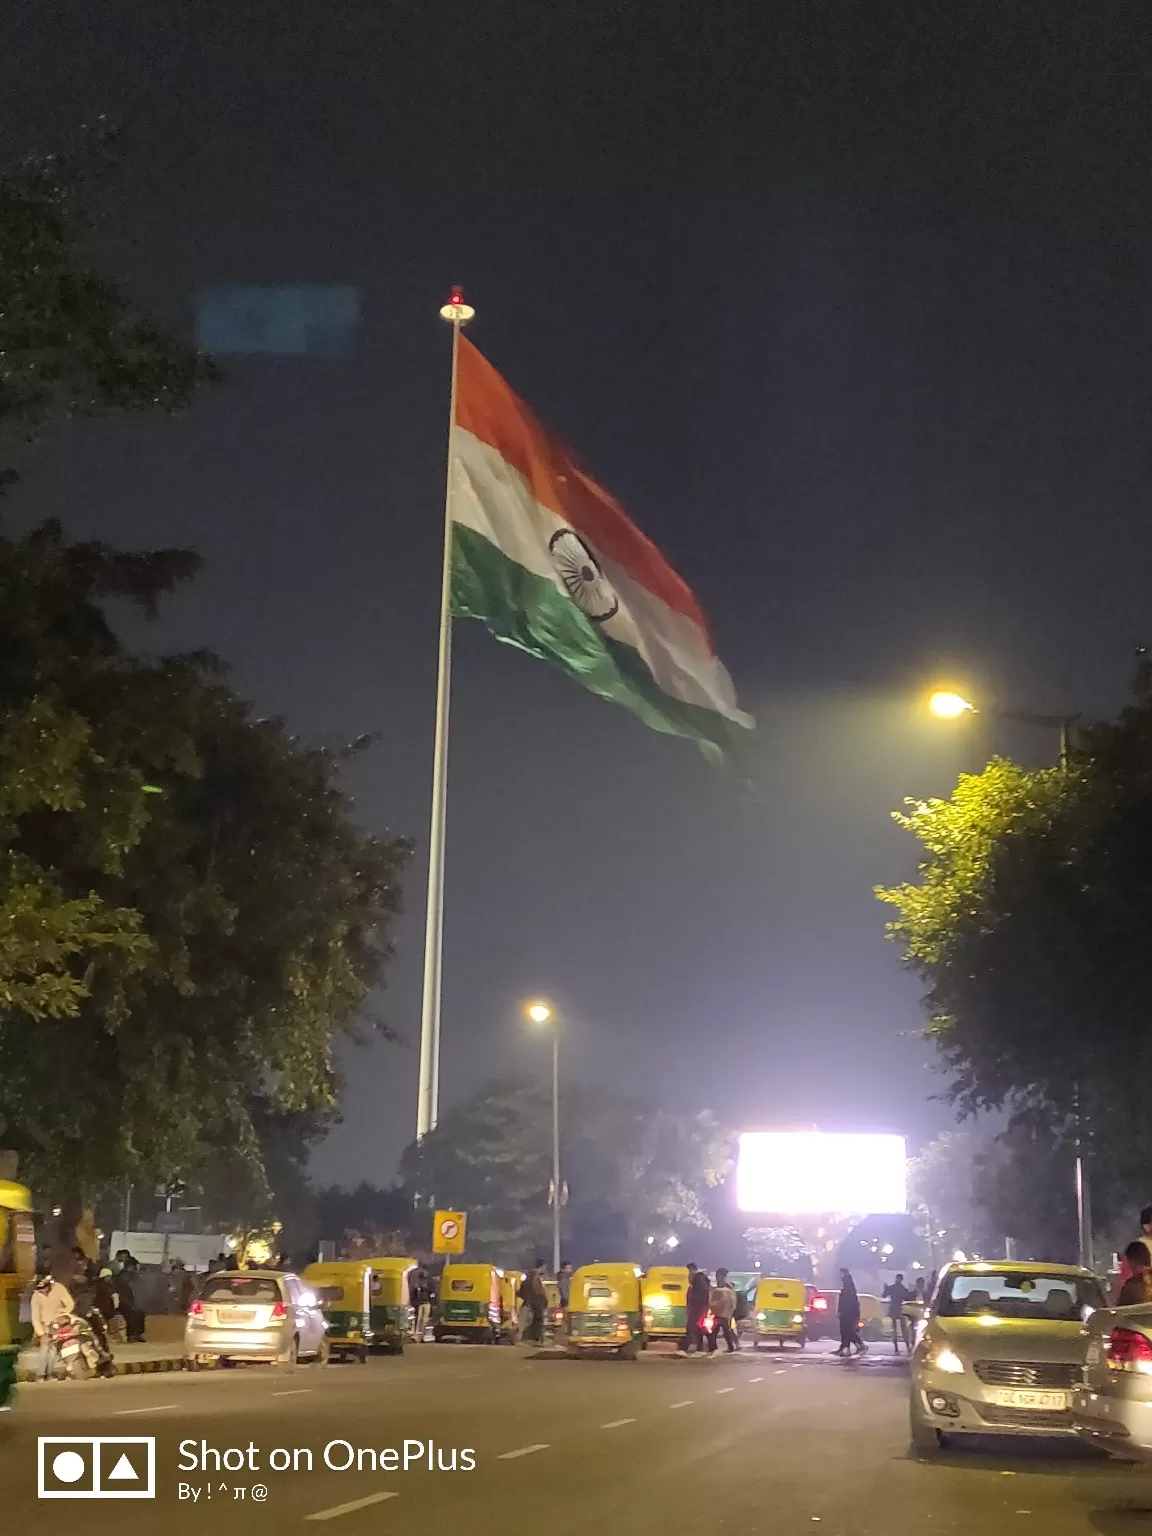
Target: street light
<point>950,706</point>
<point>946,704</point>
<point>542,1014</point>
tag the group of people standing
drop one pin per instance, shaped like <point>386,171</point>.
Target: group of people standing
<point>704,1297</point>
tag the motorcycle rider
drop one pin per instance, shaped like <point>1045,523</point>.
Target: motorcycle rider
<point>95,1302</point>
<point>50,1300</point>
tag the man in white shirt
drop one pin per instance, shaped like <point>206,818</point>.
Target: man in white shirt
<point>50,1300</point>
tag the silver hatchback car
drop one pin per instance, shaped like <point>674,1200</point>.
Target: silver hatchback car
<point>1000,1351</point>
<point>255,1315</point>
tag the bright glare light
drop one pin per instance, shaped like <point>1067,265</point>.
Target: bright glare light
<point>673,1242</point>
<point>959,1257</point>
<point>949,706</point>
<point>948,1361</point>
<point>539,1013</point>
<point>812,1173</point>
<point>886,1250</point>
<point>651,1240</point>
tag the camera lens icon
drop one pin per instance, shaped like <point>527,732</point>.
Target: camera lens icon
<point>68,1466</point>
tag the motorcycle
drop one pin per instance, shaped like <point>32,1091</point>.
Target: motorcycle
<point>78,1349</point>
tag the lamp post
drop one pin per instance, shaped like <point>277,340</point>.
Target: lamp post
<point>946,704</point>
<point>542,1014</point>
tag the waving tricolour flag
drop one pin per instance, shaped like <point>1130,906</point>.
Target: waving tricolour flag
<point>549,562</point>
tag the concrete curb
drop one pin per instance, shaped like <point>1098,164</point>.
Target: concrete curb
<point>123,1368</point>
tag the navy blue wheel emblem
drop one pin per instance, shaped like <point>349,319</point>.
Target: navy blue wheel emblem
<point>584,581</point>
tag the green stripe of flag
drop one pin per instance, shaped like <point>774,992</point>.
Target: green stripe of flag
<point>530,612</point>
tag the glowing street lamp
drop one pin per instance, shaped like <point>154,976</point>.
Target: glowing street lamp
<point>950,706</point>
<point>542,1014</point>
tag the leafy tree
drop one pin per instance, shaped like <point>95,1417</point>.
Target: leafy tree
<point>492,1157</point>
<point>1031,924</point>
<point>381,1220</point>
<point>942,1195</point>
<point>1023,1186</point>
<point>72,343</point>
<point>782,1251</point>
<point>628,1167</point>
<point>254,913</point>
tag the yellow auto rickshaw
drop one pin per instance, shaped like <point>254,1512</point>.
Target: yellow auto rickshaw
<point>390,1310</point>
<point>17,1265</point>
<point>778,1313</point>
<point>665,1294</point>
<point>605,1310</point>
<point>344,1291</point>
<point>509,1282</point>
<point>469,1303</point>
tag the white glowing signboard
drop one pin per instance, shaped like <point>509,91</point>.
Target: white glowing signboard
<point>813,1173</point>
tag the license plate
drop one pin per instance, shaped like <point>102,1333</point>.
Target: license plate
<point>68,1350</point>
<point>1016,1397</point>
<point>236,1314</point>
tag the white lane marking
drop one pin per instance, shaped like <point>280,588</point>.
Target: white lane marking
<point>525,1450</point>
<point>616,1423</point>
<point>292,1392</point>
<point>721,1390</point>
<point>755,1378</point>
<point>780,1372</point>
<point>159,1408</point>
<point>347,1509</point>
<point>687,1403</point>
<point>469,1375</point>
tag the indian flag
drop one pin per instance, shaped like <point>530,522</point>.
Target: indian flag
<point>548,561</point>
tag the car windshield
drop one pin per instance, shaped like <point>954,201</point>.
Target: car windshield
<point>1035,1294</point>
<point>240,1288</point>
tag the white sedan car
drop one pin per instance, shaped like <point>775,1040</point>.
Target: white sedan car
<point>255,1315</point>
<point>1001,1350</point>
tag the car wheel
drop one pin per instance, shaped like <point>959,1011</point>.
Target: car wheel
<point>926,1440</point>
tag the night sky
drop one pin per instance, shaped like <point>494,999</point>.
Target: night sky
<point>848,305</point>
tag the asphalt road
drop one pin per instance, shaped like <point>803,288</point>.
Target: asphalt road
<point>756,1443</point>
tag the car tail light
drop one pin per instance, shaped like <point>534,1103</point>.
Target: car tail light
<point>1129,1350</point>
<point>196,1309</point>
<point>279,1311</point>
<point>819,1303</point>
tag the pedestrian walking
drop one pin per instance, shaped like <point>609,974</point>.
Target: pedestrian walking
<point>1137,1289</point>
<point>896,1295</point>
<point>126,1301</point>
<point>535,1298</point>
<point>848,1315</point>
<point>696,1308</point>
<point>1127,1270</point>
<point>564,1283</point>
<point>722,1304</point>
<point>921,1289</point>
<point>421,1296</point>
<point>50,1300</point>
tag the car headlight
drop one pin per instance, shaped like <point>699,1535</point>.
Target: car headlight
<point>760,1317</point>
<point>797,1317</point>
<point>947,1360</point>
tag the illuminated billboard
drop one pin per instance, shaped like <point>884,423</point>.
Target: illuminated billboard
<point>816,1173</point>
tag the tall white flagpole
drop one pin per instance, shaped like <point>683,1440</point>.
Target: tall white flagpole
<point>457,313</point>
